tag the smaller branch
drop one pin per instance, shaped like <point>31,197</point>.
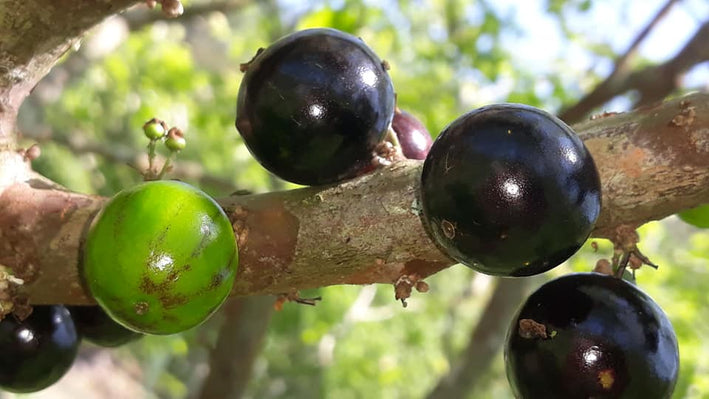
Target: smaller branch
<point>653,83</point>
<point>621,63</point>
<point>694,52</point>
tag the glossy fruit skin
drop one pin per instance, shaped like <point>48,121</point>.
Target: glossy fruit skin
<point>97,327</point>
<point>161,257</point>
<point>38,351</point>
<point>414,138</point>
<point>509,190</point>
<point>313,106</point>
<point>697,217</point>
<point>606,339</point>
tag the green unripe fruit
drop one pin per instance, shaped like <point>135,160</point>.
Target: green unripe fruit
<point>161,257</point>
<point>154,129</point>
<point>698,217</point>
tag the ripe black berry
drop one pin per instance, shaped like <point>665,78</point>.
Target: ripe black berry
<point>313,106</point>
<point>38,351</point>
<point>94,325</point>
<point>509,190</point>
<point>589,335</point>
<point>414,138</point>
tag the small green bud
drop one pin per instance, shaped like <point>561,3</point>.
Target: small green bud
<point>154,129</point>
<point>175,140</point>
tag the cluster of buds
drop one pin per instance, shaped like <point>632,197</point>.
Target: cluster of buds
<point>156,130</point>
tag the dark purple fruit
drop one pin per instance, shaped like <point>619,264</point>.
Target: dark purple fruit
<point>38,351</point>
<point>590,335</point>
<point>414,138</point>
<point>97,327</point>
<point>313,106</point>
<point>509,190</point>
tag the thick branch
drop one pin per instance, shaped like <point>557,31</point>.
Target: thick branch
<point>33,35</point>
<point>652,83</point>
<point>653,162</point>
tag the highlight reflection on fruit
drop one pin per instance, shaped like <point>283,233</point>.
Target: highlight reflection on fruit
<point>36,352</point>
<point>509,190</point>
<point>161,257</point>
<point>314,105</point>
<point>590,335</point>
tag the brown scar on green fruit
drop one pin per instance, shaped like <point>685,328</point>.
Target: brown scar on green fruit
<point>217,279</point>
<point>170,301</point>
<point>163,289</point>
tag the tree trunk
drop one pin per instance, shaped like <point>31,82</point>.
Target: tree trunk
<point>240,337</point>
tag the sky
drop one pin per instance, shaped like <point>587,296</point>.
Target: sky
<point>613,22</point>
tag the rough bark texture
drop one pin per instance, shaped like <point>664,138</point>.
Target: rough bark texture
<point>653,163</point>
<point>33,35</point>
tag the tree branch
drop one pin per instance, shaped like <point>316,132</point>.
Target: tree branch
<point>139,19</point>
<point>653,163</point>
<point>621,64</point>
<point>652,83</point>
<point>34,34</point>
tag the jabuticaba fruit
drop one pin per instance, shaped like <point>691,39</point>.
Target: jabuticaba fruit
<point>37,351</point>
<point>313,107</point>
<point>96,326</point>
<point>590,335</point>
<point>509,190</point>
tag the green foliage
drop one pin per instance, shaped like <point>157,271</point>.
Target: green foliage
<point>698,216</point>
<point>446,58</point>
